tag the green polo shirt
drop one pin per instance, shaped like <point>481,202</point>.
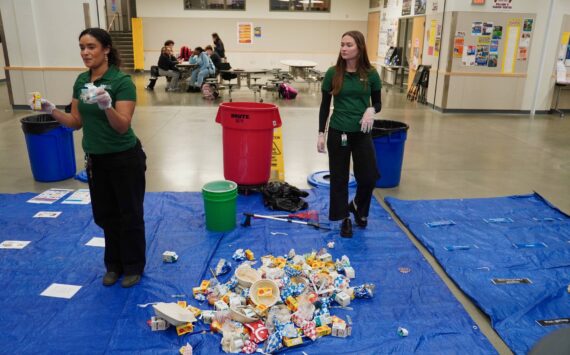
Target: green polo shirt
<point>352,100</point>
<point>98,135</point>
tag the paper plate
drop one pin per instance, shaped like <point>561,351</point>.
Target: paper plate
<point>247,275</point>
<point>264,300</point>
<point>173,313</point>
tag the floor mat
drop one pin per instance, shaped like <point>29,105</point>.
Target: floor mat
<point>511,255</point>
<point>108,320</point>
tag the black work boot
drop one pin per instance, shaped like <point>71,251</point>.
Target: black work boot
<point>110,278</point>
<point>346,228</point>
<point>360,221</point>
<point>130,280</point>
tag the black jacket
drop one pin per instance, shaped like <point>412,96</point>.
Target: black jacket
<point>165,62</point>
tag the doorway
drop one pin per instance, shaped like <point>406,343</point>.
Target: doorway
<point>372,35</point>
<point>119,14</point>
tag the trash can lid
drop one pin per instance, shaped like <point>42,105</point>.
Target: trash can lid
<point>322,179</point>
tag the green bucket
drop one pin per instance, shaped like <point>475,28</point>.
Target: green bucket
<point>220,205</point>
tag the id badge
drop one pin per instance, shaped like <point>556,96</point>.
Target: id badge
<point>343,140</point>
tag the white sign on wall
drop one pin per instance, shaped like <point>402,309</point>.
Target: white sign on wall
<point>502,4</point>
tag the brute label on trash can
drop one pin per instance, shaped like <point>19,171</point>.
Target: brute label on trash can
<point>389,141</point>
<point>248,140</point>
<point>50,148</point>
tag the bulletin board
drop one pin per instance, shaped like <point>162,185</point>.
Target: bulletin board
<point>491,42</point>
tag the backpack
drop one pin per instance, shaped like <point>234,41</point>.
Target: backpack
<point>286,91</point>
<point>210,92</point>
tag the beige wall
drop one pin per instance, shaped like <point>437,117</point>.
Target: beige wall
<point>530,89</point>
<point>2,72</point>
<point>42,46</point>
<point>564,101</point>
<point>284,35</point>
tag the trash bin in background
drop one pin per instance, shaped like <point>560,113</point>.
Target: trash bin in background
<point>248,140</point>
<point>50,148</point>
<point>389,140</point>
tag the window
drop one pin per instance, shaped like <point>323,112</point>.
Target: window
<point>374,4</point>
<point>214,5</point>
<point>300,5</point>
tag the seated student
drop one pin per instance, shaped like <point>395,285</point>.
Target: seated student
<point>215,57</point>
<point>185,54</point>
<point>170,44</point>
<point>167,67</point>
<point>204,69</point>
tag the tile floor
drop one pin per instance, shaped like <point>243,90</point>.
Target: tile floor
<point>446,155</point>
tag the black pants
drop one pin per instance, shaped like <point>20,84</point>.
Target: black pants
<point>361,147</point>
<point>117,187</point>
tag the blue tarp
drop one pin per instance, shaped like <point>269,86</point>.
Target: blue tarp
<point>107,320</point>
<point>514,237</point>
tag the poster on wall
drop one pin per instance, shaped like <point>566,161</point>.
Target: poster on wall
<point>436,47</point>
<point>494,48</point>
<point>245,32</point>
<point>420,7</point>
<point>458,45</point>
<point>511,49</point>
<point>476,28</point>
<point>483,41</point>
<point>497,32</point>
<point>487,29</point>
<point>527,25</point>
<point>434,6</point>
<point>406,7</point>
<point>257,32</point>
<point>469,56</point>
<point>493,60</point>
<point>502,4</point>
<point>525,40</point>
<point>482,56</point>
<point>523,53</point>
<point>431,36</point>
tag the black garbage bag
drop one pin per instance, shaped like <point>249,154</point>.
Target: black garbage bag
<point>281,196</point>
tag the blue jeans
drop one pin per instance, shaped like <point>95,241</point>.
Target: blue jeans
<point>200,74</point>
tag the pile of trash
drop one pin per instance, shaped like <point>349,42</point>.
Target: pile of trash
<point>285,302</point>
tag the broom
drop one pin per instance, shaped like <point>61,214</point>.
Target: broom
<point>247,220</point>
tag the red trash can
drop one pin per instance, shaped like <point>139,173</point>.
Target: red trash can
<point>248,140</point>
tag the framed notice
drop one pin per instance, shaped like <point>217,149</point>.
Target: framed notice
<point>245,32</point>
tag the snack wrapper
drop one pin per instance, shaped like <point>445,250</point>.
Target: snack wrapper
<point>249,348</point>
<point>364,291</point>
<point>223,267</point>
<point>310,329</point>
<point>239,255</point>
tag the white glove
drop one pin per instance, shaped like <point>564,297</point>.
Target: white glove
<point>103,99</point>
<point>367,120</point>
<point>47,107</point>
<point>321,145</point>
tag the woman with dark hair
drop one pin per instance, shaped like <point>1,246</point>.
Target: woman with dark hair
<point>103,104</point>
<point>355,86</point>
<point>218,45</point>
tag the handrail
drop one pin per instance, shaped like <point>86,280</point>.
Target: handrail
<point>112,20</point>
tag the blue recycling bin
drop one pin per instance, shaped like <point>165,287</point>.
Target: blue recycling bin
<point>50,148</point>
<point>389,141</point>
